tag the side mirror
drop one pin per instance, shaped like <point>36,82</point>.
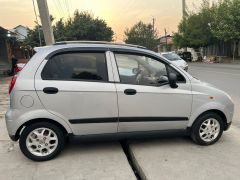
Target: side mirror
<point>173,80</point>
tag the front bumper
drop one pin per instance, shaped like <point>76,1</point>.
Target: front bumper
<point>13,137</point>
<point>227,126</point>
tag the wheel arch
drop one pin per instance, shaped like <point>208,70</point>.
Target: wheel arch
<point>32,121</point>
<point>216,111</point>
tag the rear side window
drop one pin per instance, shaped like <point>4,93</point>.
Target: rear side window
<point>76,66</point>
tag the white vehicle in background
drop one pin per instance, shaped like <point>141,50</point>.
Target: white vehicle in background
<point>175,59</point>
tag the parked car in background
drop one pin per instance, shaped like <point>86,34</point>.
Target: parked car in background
<point>115,90</point>
<point>176,60</point>
<point>187,56</point>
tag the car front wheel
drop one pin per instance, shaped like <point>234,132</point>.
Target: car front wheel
<point>41,141</point>
<point>207,129</point>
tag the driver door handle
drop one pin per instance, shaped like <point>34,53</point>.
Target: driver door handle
<point>50,90</point>
<point>130,91</point>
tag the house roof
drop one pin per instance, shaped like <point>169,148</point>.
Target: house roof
<point>20,26</point>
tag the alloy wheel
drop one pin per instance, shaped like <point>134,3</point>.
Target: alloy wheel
<point>42,142</point>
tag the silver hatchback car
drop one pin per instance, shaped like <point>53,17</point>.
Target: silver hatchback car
<point>98,88</point>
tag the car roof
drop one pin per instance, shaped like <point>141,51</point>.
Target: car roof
<point>102,44</point>
<point>68,45</point>
<point>97,43</point>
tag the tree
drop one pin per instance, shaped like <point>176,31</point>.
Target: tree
<point>82,26</point>
<point>226,24</point>
<point>143,35</point>
<point>195,30</point>
<point>3,33</point>
<point>32,38</point>
<point>59,31</point>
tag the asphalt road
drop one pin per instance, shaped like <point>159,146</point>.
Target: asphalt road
<point>165,158</point>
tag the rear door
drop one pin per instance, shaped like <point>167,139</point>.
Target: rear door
<point>77,86</point>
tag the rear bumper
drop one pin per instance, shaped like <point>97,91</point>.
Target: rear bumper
<point>11,123</point>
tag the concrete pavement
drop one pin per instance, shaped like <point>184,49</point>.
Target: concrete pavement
<point>81,162</point>
<point>179,158</point>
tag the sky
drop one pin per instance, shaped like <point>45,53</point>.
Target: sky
<point>119,14</point>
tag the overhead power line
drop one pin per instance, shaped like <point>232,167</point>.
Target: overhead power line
<point>39,34</point>
<point>57,7</point>
<point>67,7</point>
<point>62,8</point>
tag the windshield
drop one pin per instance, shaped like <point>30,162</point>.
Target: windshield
<point>171,56</point>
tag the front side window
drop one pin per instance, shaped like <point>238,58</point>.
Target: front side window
<point>76,66</point>
<point>141,70</point>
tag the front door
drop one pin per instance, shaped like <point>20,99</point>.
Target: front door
<point>76,87</point>
<point>145,99</point>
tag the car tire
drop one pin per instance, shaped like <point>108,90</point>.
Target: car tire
<point>207,129</point>
<point>41,141</point>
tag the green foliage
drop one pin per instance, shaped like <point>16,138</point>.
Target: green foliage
<point>226,24</point>
<point>142,34</point>
<point>82,26</point>
<point>221,22</point>
<point>59,31</point>
<point>33,37</point>
<point>3,33</point>
<point>195,30</point>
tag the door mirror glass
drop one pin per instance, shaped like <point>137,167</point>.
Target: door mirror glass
<point>173,80</point>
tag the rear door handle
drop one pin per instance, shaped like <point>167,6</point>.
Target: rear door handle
<point>50,90</point>
<point>130,91</point>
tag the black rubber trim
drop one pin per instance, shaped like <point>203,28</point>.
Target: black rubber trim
<point>77,49</point>
<point>141,52</point>
<point>227,126</point>
<point>126,119</point>
<point>14,137</point>
<point>147,119</point>
<point>93,120</point>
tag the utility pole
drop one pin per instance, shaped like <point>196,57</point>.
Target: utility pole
<point>184,13</point>
<point>46,23</point>
<point>166,39</point>
<point>153,24</point>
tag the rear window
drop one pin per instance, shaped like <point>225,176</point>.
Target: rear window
<point>76,66</point>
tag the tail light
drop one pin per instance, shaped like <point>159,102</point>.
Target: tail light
<point>12,83</point>
<point>18,69</point>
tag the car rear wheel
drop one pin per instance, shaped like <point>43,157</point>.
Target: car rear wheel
<point>41,141</point>
<point>207,129</point>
